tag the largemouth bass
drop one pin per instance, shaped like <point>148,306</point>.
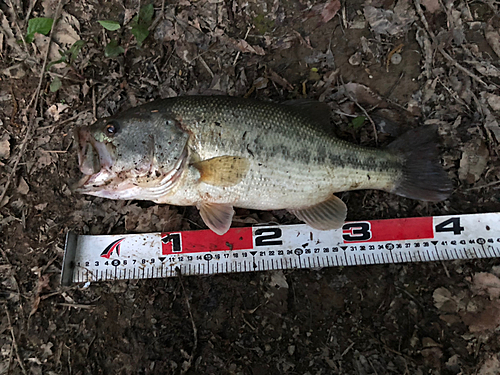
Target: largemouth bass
<point>219,152</point>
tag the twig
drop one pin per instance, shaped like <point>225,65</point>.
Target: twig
<point>30,9</point>
<point>14,342</point>
<point>31,126</point>
<point>205,65</point>
<point>14,15</point>
<point>239,52</point>
<point>484,186</point>
<point>195,331</point>
<point>158,17</point>
<point>441,49</point>
<point>364,110</point>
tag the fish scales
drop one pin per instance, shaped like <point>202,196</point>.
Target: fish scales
<point>219,152</point>
<point>292,162</point>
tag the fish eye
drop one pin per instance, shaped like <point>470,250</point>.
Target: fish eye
<point>111,128</point>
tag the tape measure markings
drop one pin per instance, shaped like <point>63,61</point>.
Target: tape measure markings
<point>274,247</point>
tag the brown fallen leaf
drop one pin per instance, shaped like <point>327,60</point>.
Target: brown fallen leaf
<point>491,366</point>
<point>444,301</point>
<point>493,38</point>
<point>23,187</point>
<point>244,46</point>
<point>487,319</point>
<point>485,283</point>
<point>330,10</point>
<point>493,100</point>
<point>5,146</point>
<point>474,160</point>
<point>432,6</point>
<point>362,94</point>
<point>276,78</point>
<point>42,284</point>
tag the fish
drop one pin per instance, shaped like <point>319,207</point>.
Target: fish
<point>219,152</point>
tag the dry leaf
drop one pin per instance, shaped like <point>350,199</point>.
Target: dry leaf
<point>486,320</point>
<point>186,51</point>
<point>23,187</point>
<point>166,31</point>
<point>486,68</point>
<point>243,46</point>
<point>493,38</point>
<point>485,283</point>
<point>493,100</point>
<point>64,33</point>
<point>474,159</point>
<point>444,300</point>
<point>330,10</point>
<point>491,366</point>
<point>5,146</point>
<point>492,125</point>
<point>16,71</point>
<point>390,22</point>
<point>41,206</point>
<point>362,94</point>
<point>55,110</point>
<point>432,6</point>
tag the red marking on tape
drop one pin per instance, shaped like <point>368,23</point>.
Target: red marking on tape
<point>388,230</point>
<point>205,240</point>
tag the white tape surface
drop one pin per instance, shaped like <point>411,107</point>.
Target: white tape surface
<point>157,255</point>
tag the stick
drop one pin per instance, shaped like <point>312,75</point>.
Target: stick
<point>34,101</point>
<point>441,49</point>
<point>195,331</point>
<point>364,111</point>
<point>14,342</point>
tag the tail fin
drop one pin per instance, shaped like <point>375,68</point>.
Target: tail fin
<point>423,177</point>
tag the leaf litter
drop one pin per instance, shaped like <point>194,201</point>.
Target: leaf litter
<point>365,320</point>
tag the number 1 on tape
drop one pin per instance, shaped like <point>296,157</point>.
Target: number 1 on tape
<point>155,255</point>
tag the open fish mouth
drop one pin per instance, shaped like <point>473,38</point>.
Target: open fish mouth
<point>95,160</point>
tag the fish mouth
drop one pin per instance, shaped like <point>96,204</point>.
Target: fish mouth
<point>95,160</point>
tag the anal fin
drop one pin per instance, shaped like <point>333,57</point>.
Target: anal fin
<point>216,216</point>
<point>326,215</point>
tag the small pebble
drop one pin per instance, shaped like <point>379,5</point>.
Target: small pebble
<point>355,59</point>
<point>396,58</point>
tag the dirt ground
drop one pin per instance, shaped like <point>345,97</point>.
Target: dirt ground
<point>406,64</point>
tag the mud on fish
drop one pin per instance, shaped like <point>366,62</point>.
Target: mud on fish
<point>219,152</point>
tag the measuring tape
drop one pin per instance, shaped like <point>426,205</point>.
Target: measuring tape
<point>90,258</point>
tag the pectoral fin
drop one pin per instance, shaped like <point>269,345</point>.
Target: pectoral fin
<point>326,215</point>
<point>217,217</point>
<point>222,171</point>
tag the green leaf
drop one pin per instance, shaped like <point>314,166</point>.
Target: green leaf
<point>141,23</point>
<point>55,84</point>
<point>358,122</point>
<point>110,25</point>
<point>140,32</point>
<point>113,49</point>
<point>146,14</point>
<point>40,25</point>
<point>75,49</point>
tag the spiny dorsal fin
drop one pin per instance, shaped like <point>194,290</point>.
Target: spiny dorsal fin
<point>223,171</point>
<point>326,215</point>
<point>216,216</point>
<point>315,111</point>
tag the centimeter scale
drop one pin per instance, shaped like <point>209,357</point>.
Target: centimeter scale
<point>91,258</point>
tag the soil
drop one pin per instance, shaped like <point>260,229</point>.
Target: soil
<point>422,318</point>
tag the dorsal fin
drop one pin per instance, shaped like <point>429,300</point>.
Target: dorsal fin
<point>317,112</point>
